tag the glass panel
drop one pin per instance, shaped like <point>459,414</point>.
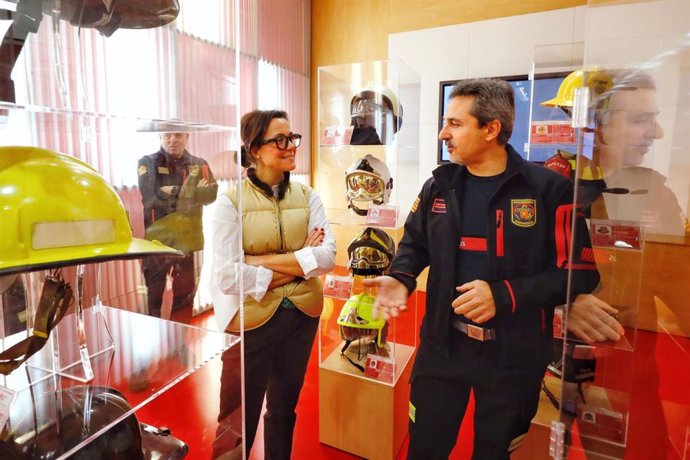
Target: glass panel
<point>103,84</point>
<point>103,93</point>
<point>632,141</point>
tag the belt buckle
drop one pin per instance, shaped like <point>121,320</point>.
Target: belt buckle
<point>475,332</point>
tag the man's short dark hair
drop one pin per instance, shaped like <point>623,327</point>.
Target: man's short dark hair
<point>493,100</point>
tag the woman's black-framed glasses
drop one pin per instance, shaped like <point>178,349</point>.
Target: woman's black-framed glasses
<point>282,141</point>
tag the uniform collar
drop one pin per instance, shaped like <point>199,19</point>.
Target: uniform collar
<point>184,158</point>
<point>450,173</point>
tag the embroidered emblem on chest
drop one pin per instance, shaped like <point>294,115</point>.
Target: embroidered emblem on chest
<point>523,212</point>
<point>439,206</point>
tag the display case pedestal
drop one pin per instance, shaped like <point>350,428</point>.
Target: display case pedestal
<point>362,416</point>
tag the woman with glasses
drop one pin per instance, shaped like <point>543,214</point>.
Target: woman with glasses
<point>286,244</point>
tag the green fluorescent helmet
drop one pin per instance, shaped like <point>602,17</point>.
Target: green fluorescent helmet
<point>56,210</point>
<point>356,320</point>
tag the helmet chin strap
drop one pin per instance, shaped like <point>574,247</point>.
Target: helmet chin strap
<point>56,298</point>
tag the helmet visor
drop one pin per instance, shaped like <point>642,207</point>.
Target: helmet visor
<point>367,107</point>
<point>366,257</point>
<point>364,187</point>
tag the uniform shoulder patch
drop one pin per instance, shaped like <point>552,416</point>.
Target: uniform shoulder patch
<point>143,169</point>
<point>523,212</point>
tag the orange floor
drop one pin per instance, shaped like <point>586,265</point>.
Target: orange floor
<point>189,408</point>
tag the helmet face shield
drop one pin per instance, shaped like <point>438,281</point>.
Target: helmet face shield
<point>363,186</point>
<point>368,258</point>
<point>376,116</point>
<point>367,180</point>
<point>367,107</point>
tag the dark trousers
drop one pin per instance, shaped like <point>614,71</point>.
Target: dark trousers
<point>506,400</point>
<point>275,362</point>
<point>156,270</point>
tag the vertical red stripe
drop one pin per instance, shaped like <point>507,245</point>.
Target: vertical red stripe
<point>562,234</point>
<point>499,233</point>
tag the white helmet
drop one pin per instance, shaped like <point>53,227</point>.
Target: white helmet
<point>367,180</point>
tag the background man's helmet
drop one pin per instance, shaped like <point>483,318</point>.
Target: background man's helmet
<point>375,108</point>
<point>356,320</point>
<point>367,180</point>
<point>371,252</point>
<point>56,210</point>
<point>598,81</point>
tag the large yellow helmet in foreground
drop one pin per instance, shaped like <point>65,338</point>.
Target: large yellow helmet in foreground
<point>56,210</point>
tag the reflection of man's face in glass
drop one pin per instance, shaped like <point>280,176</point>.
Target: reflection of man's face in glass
<point>628,128</point>
<point>174,143</point>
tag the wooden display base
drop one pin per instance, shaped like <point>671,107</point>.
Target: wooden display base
<point>360,415</point>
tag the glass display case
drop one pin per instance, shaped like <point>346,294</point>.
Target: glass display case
<point>101,83</point>
<point>624,93</point>
<point>138,356</point>
<point>367,176</point>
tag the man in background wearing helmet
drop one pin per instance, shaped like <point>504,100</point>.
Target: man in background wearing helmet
<point>174,186</point>
<point>495,233</point>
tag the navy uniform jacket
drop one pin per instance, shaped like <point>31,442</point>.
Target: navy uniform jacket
<point>160,169</point>
<point>529,238</point>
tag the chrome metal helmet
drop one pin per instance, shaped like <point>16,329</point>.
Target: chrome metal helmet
<point>368,180</point>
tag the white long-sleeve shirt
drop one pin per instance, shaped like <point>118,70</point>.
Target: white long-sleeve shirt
<point>228,259</point>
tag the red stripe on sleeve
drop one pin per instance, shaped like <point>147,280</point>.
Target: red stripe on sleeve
<point>587,255</point>
<point>512,296</point>
<point>469,243</point>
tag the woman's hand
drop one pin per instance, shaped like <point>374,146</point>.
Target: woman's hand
<point>315,237</point>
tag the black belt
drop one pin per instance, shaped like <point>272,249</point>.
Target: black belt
<point>474,332</point>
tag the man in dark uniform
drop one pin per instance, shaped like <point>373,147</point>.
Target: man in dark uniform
<point>495,232</point>
<point>174,186</point>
